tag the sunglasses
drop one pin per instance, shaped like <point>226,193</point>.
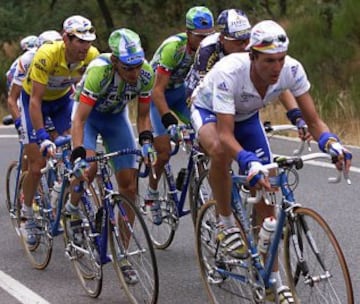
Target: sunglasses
<point>203,35</point>
<point>83,30</point>
<point>270,40</point>
<point>128,68</point>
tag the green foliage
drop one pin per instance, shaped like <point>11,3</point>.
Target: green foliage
<point>324,34</point>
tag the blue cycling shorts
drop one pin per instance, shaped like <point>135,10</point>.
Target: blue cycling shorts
<point>117,134</point>
<point>176,101</point>
<point>58,110</point>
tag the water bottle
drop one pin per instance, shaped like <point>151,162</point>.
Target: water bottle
<point>54,195</point>
<point>181,177</point>
<point>266,231</point>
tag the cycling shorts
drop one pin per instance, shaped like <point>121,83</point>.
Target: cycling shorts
<point>116,132</point>
<point>176,101</point>
<point>58,110</point>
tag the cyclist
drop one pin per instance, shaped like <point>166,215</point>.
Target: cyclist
<point>46,92</point>
<point>22,66</point>
<point>28,43</point>
<point>171,62</point>
<point>231,95</point>
<point>110,83</point>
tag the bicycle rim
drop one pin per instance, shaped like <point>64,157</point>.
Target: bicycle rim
<point>84,257</point>
<point>130,240</point>
<point>162,234</point>
<point>11,205</point>
<point>39,254</point>
<point>202,194</point>
<point>337,287</point>
<point>220,287</point>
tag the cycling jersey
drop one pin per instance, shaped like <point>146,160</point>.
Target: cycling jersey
<point>103,89</point>
<point>10,73</point>
<point>22,66</point>
<point>228,89</point>
<point>208,53</point>
<point>49,67</point>
<point>173,58</point>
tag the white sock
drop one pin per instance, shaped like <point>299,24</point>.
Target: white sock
<point>152,191</point>
<point>72,207</point>
<point>228,221</point>
<point>276,275</point>
<point>28,211</point>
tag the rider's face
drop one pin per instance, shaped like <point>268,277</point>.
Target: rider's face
<point>268,66</point>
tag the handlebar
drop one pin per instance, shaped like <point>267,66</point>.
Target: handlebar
<point>104,157</point>
<point>186,138</point>
<point>296,162</point>
<point>269,128</point>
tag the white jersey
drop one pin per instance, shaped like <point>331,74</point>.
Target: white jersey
<point>227,87</point>
<point>22,66</point>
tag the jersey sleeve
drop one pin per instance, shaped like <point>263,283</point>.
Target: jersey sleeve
<point>41,67</point>
<point>147,81</point>
<point>91,85</point>
<point>299,81</point>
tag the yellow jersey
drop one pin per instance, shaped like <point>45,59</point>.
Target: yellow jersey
<point>49,67</point>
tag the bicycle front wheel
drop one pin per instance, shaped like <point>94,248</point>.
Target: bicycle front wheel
<point>132,252</point>
<point>202,194</point>
<point>11,191</point>
<point>162,234</point>
<point>226,281</point>
<point>320,273</point>
<point>84,255</point>
<point>40,252</point>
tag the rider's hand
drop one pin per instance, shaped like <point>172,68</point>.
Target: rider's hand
<point>303,130</point>
<point>147,150</point>
<point>341,156</point>
<point>249,162</point>
<point>169,119</point>
<point>79,169</point>
<point>174,133</point>
<point>257,174</point>
<point>47,148</point>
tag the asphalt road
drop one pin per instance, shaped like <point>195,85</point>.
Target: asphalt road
<point>179,274</point>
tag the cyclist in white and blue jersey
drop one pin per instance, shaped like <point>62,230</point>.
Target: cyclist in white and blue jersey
<point>232,94</point>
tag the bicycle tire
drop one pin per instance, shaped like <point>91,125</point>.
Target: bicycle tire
<point>338,288</point>
<point>219,287</point>
<point>84,257</point>
<point>39,254</point>
<point>202,194</point>
<point>11,174</point>
<point>131,241</point>
<point>162,234</point>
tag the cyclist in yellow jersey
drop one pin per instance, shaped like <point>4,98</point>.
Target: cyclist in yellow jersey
<point>46,92</point>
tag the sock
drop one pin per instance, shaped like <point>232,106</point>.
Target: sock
<point>28,211</point>
<point>71,207</point>
<point>152,191</point>
<point>228,221</point>
<point>276,275</point>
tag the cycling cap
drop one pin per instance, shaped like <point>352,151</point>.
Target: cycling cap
<point>29,43</point>
<point>198,18</point>
<point>268,37</point>
<point>126,46</point>
<point>79,27</point>
<point>234,24</point>
<point>49,36</point>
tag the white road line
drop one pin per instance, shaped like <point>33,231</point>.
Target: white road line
<point>19,291</point>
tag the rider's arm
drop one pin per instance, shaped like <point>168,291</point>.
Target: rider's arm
<point>77,130</point>
<point>37,93</point>
<point>14,94</point>
<point>158,93</point>
<point>315,125</point>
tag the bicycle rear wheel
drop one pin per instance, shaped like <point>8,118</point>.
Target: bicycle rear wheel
<point>220,286</point>
<point>322,276</point>
<point>162,234</point>
<point>202,194</point>
<point>130,241</point>
<point>11,175</point>
<point>39,254</point>
<point>84,256</point>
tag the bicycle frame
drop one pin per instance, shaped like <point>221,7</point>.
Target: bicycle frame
<point>194,153</point>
